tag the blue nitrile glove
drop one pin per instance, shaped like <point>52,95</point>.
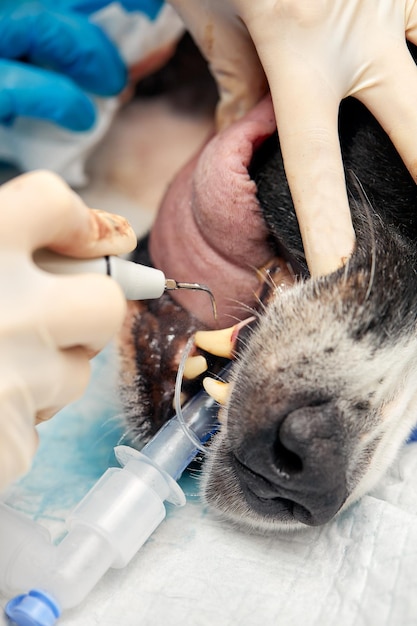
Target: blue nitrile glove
<point>50,53</point>
<point>151,8</point>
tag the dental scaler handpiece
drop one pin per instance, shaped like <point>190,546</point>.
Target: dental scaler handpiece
<point>138,282</point>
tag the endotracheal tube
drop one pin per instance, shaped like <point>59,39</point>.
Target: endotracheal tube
<point>107,527</point>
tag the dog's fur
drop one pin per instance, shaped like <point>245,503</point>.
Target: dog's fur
<point>325,385</point>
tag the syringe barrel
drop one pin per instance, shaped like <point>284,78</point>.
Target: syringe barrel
<point>172,449</point>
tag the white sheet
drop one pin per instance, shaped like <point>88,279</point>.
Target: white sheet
<point>361,569</point>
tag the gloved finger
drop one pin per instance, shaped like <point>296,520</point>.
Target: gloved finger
<point>393,103</point>
<point>411,21</point>
<point>232,57</point>
<point>38,210</point>
<point>27,91</point>
<point>68,380</point>
<point>307,117</point>
<point>67,43</point>
<point>240,85</point>
<point>46,414</point>
<point>151,8</point>
<point>19,440</point>
<point>83,310</point>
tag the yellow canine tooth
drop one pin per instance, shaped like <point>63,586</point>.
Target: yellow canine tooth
<point>218,390</point>
<point>221,342</point>
<point>194,366</point>
<point>218,342</point>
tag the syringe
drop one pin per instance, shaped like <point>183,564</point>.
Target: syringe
<point>107,527</point>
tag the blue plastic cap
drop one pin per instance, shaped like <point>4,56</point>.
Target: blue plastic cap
<point>36,608</point>
<point>413,435</point>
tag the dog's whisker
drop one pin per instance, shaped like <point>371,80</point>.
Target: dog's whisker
<point>110,425</point>
<point>261,305</point>
<point>246,308</point>
<point>114,420</point>
<point>123,438</point>
<point>137,437</point>
<point>368,210</point>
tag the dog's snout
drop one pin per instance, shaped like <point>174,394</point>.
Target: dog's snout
<point>296,467</point>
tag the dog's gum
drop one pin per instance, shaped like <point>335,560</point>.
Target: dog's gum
<point>217,389</point>
<point>194,366</point>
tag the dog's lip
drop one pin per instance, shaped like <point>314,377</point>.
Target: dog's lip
<point>273,501</point>
<point>265,501</point>
<point>209,228</point>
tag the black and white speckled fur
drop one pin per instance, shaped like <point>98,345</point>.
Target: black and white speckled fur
<point>325,390</point>
<point>325,386</point>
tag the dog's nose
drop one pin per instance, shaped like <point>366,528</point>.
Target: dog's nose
<point>296,468</point>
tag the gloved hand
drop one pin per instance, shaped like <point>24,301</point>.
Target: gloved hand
<point>50,52</point>
<point>314,53</point>
<point>49,325</point>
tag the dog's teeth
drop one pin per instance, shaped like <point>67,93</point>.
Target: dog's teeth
<point>218,390</point>
<point>194,366</point>
<point>221,342</point>
<point>218,342</point>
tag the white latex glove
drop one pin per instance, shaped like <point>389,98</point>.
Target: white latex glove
<point>49,325</point>
<point>314,53</point>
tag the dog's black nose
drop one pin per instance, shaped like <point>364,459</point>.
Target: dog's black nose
<point>296,468</point>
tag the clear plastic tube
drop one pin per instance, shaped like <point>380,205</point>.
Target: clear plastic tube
<point>107,527</point>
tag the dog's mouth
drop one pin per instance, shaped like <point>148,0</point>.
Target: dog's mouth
<point>261,495</point>
<point>291,449</point>
<point>210,229</point>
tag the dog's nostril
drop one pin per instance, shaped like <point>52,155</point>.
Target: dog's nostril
<point>287,463</point>
<point>296,468</point>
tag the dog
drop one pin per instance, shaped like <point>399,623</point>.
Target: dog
<point>324,383</point>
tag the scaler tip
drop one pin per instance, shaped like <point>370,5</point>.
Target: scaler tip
<point>171,284</point>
